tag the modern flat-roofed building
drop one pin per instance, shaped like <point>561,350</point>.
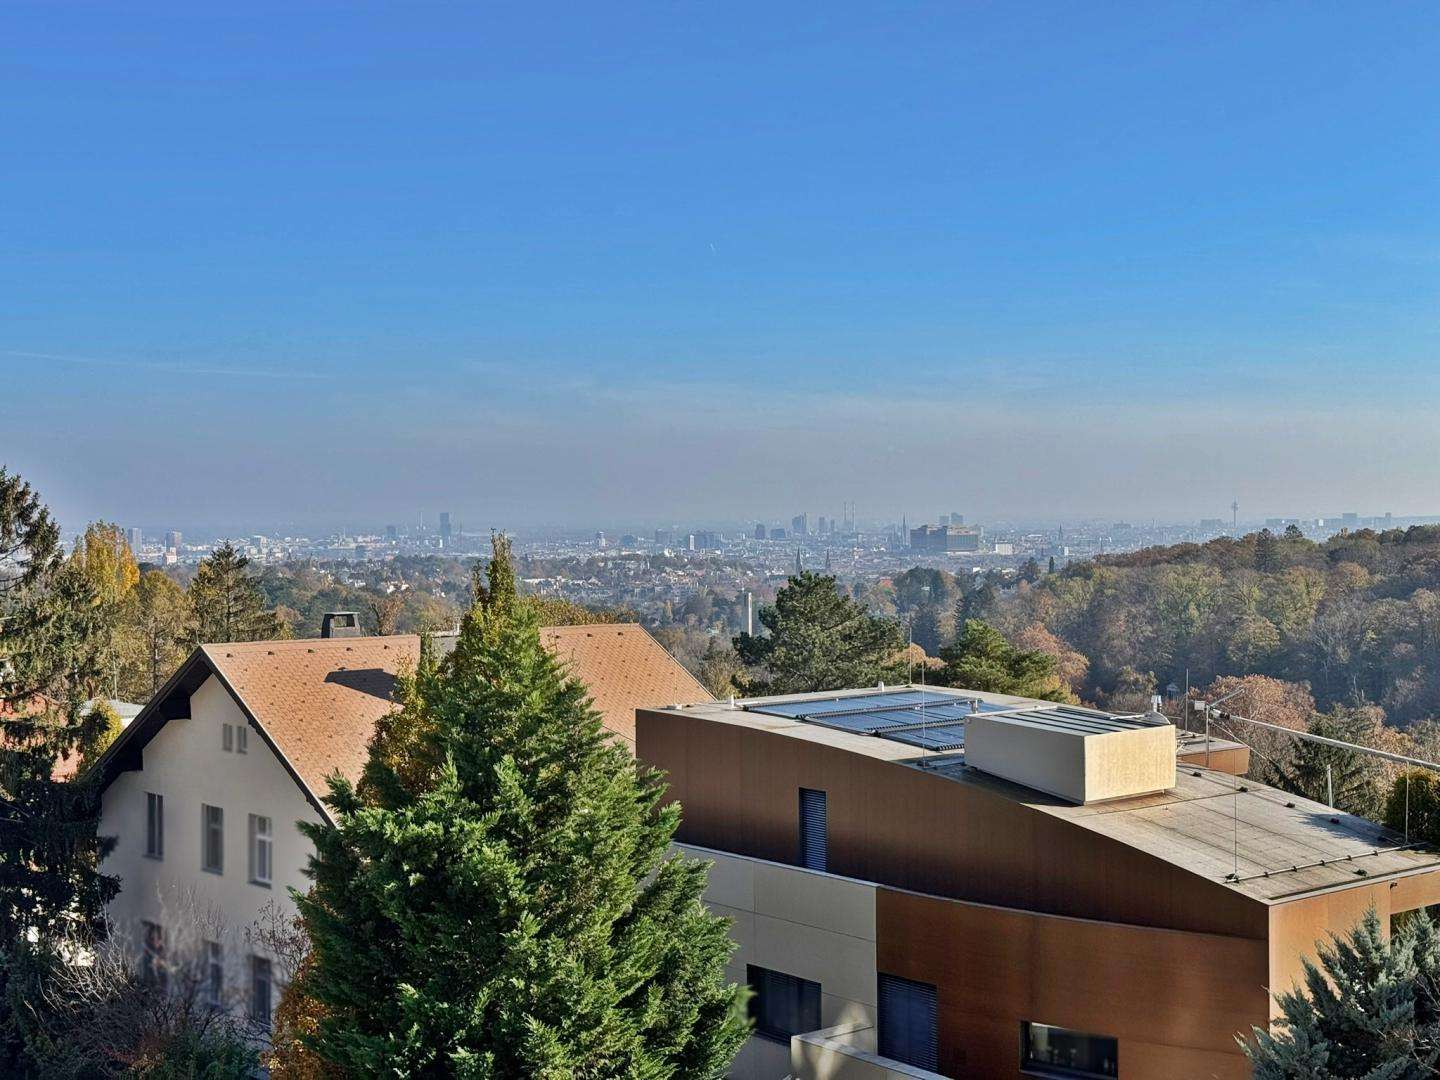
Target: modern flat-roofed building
<point>944,538</point>
<point>943,882</point>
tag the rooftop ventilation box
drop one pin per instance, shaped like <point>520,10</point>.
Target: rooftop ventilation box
<point>1080,756</point>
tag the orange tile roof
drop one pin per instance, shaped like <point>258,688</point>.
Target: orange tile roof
<point>318,700</point>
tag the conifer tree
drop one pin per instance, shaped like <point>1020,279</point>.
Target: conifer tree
<point>980,658</point>
<point>227,602</point>
<point>51,661</point>
<point>1367,1010</point>
<point>496,898</point>
<point>819,639</point>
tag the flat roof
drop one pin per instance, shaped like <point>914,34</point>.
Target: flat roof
<point>1265,843</point>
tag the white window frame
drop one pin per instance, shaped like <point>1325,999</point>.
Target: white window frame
<point>262,849</point>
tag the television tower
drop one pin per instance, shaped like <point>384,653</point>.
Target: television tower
<point>1235,518</point>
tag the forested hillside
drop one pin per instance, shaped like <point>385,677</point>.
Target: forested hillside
<point>1356,617</point>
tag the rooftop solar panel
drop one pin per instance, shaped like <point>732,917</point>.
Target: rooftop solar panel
<point>936,737</point>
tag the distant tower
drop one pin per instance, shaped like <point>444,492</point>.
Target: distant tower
<point>827,560</point>
<point>798,569</point>
<point>1235,518</point>
<point>904,530</point>
<point>445,529</point>
<point>749,613</point>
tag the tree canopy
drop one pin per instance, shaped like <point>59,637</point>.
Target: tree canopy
<point>981,659</point>
<point>819,639</point>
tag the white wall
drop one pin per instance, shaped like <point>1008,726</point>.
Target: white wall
<point>186,764</point>
<point>816,926</point>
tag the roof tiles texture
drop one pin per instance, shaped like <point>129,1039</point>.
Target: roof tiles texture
<point>319,699</point>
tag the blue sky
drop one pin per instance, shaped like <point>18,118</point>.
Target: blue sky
<point>331,263</point>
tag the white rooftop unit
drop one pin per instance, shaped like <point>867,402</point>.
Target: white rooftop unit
<point>1081,755</point>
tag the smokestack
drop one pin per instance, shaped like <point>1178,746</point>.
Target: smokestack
<point>749,613</point>
<point>335,624</point>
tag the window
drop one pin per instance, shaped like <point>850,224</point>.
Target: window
<point>242,739</point>
<point>154,825</point>
<point>783,1005</point>
<point>260,987</point>
<point>1053,1051</point>
<point>214,975</point>
<point>909,1022</point>
<point>212,839</point>
<point>814,837</point>
<point>152,955</point>
<point>262,845</point>
<point>227,737</point>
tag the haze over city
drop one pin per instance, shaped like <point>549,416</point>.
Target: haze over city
<point>569,267</point>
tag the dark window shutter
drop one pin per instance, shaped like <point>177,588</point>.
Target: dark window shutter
<point>909,1022</point>
<point>814,837</point>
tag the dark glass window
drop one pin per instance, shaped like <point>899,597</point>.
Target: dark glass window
<point>814,835</point>
<point>782,1005</point>
<point>909,1022</point>
<point>212,839</point>
<point>1053,1051</point>
<point>261,988</point>
<point>154,825</point>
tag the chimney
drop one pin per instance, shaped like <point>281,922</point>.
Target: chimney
<point>340,624</point>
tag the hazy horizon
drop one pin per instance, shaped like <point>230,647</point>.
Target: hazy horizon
<point>573,266</point>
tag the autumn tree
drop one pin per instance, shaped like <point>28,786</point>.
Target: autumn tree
<point>818,639</point>
<point>155,632</point>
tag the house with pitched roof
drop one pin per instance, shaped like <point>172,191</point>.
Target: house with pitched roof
<point>205,789</point>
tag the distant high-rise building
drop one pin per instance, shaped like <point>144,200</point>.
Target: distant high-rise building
<point>392,533</point>
<point>174,539</point>
<point>1350,521</point>
<point>957,519</point>
<point>664,537</point>
<point>690,542</point>
<point>445,529</point>
<point>760,530</point>
<point>800,525</point>
<point>777,534</point>
<point>600,540</point>
<point>944,538</point>
<point>134,538</point>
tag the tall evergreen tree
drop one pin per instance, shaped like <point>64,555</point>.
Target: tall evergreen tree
<point>1314,770</point>
<point>819,639</point>
<point>1367,1010</point>
<point>227,602</point>
<point>51,660</point>
<point>496,900</point>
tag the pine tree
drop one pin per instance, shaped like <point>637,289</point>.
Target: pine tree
<point>1366,1010</point>
<point>980,658</point>
<point>51,661</point>
<point>227,601</point>
<point>1314,770</point>
<point>819,639</point>
<point>496,898</point>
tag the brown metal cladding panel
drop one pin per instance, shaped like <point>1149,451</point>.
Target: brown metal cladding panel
<point>1173,1000</point>
<point>1296,927</point>
<point>895,825</point>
